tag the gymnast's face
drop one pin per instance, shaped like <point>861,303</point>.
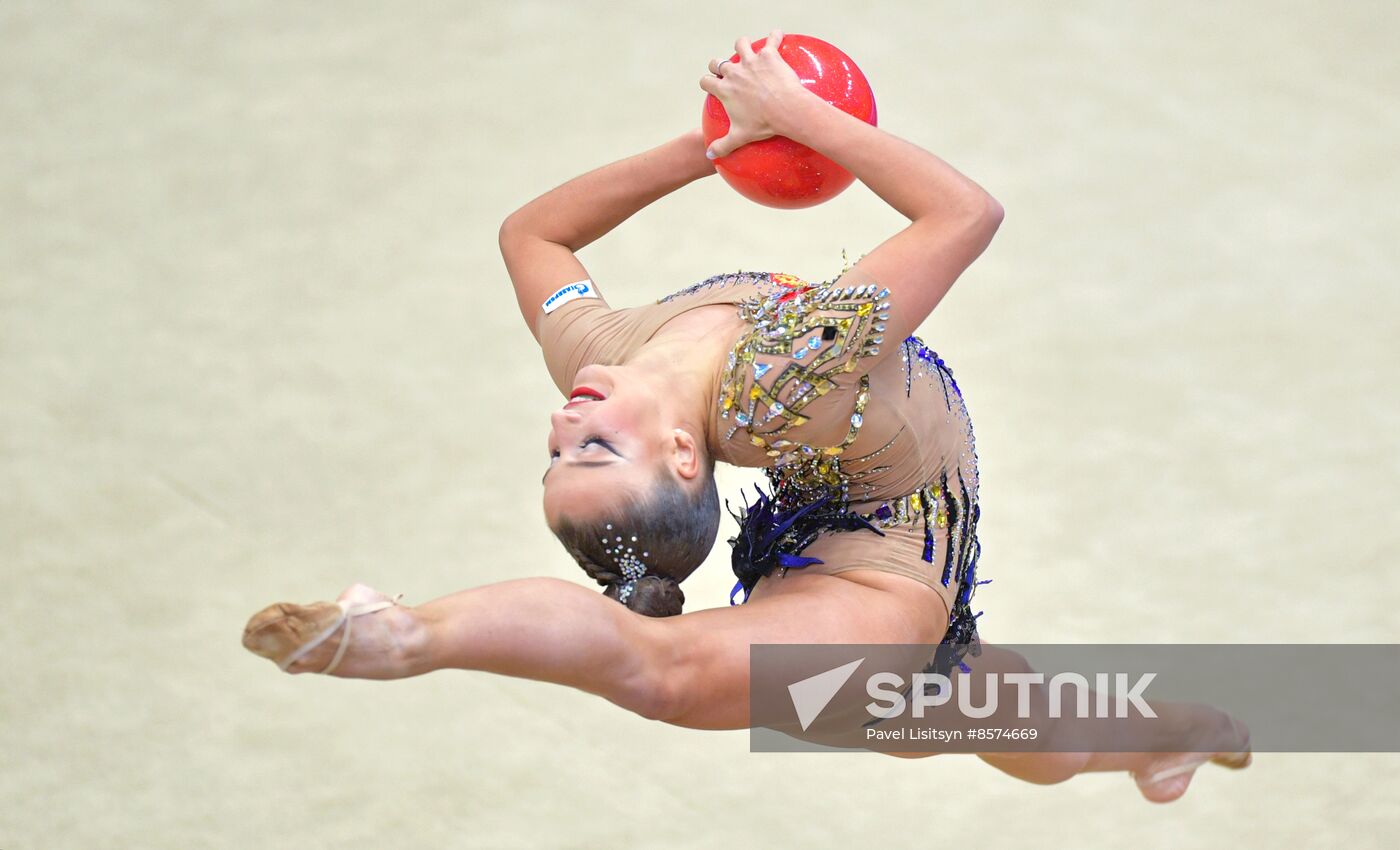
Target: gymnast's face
<point>609,440</point>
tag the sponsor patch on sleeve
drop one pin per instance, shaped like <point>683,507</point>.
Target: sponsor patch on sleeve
<point>567,293</point>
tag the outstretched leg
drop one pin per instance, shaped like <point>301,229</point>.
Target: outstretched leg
<point>1161,776</point>
<point>691,670</point>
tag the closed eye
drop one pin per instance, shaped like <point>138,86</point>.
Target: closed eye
<point>600,441</point>
<point>587,441</point>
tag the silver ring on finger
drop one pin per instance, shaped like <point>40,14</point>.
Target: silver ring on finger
<point>719,69</point>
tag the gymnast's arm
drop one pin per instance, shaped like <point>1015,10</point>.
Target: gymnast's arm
<point>952,218</point>
<point>539,240</point>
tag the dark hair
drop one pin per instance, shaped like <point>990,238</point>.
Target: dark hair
<point>673,524</point>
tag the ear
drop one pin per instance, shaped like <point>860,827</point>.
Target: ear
<point>685,454</point>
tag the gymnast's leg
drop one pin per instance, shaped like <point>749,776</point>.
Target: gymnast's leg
<point>1177,737</point>
<point>690,670</point>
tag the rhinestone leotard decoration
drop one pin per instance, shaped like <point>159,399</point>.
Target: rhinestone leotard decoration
<point>797,344</point>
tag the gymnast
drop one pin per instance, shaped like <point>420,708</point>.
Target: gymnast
<point>868,533</point>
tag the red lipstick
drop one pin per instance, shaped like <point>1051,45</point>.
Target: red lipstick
<point>583,395</point>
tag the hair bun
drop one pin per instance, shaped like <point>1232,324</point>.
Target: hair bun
<point>654,596</point>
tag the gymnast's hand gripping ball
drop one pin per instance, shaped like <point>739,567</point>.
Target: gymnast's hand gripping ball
<point>778,172</point>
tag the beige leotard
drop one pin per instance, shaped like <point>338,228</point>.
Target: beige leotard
<point>808,394</point>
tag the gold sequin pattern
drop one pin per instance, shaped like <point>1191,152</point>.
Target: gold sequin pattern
<point>796,345</point>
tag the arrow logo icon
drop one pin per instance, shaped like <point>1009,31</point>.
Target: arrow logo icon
<point>812,694</point>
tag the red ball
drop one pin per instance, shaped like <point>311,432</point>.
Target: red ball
<point>779,172</point>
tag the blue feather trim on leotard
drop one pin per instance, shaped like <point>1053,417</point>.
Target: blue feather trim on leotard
<point>773,536</point>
